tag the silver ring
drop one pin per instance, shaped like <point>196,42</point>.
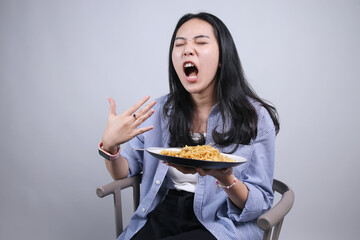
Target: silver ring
<point>134,115</point>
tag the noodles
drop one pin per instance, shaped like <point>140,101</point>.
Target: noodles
<point>200,152</point>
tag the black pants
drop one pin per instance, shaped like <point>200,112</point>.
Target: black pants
<point>174,219</point>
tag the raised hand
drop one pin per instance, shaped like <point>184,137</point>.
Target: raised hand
<point>123,127</point>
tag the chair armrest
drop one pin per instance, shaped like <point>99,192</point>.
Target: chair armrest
<point>110,188</point>
<point>115,189</point>
<point>277,213</point>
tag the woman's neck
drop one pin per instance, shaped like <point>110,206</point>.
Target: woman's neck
<point>202,108</point>
<point>203,103</point>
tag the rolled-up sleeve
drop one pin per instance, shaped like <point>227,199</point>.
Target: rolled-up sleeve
<point>134,158</point>
<point>258,176</point>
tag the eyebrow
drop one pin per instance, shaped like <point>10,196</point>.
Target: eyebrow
<point>196,37</point>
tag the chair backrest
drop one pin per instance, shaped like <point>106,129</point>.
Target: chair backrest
<point>270,222</point>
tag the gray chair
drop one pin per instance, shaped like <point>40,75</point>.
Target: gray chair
<point>270,222</point>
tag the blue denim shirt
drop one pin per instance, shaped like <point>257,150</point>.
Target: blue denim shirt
<point>212,206</point>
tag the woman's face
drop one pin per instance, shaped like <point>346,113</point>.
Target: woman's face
<point>195,57</point>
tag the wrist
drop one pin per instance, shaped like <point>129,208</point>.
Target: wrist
<point>109,155</point>
<point>226,186</point>
<point>108,147</point>
<point>226,180</point>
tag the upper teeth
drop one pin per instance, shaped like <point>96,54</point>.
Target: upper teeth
<point>189,65</point>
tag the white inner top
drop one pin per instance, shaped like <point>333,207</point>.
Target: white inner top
<point>181,181</point>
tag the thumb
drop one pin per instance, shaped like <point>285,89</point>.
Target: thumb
<point>112,106</point>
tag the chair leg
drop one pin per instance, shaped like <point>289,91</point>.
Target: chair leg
<point>267,234</point>
<point>277,230</point>
<point>118,212</point>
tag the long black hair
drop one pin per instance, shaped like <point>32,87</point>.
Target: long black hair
<point>232,91</point>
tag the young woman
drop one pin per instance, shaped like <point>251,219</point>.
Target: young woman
<point>210,102</point>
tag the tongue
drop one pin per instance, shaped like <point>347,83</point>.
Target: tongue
<point>192,74</point>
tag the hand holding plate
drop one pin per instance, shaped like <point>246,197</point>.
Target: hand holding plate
<point>216,173</point>
<point>183,169</point>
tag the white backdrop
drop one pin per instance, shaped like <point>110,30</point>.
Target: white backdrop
<point>60,60</point>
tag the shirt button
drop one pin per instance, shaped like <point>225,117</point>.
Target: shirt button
<point>157,182</point>
<point>143,210</point>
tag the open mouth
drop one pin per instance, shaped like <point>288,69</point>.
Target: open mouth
<point>190,69</point>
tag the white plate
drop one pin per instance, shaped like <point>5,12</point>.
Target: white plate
<point>189,162</point>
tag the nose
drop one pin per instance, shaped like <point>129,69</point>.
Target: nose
<point>189,51</point>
